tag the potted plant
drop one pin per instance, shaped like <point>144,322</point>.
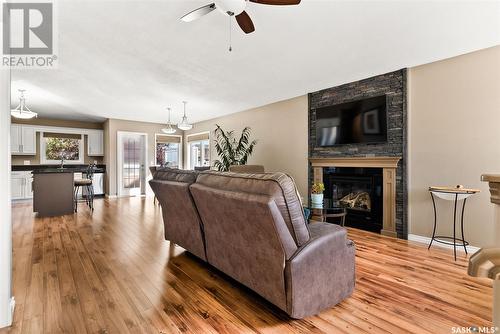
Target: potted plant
<point>230,150</point>
<point>317,195</point>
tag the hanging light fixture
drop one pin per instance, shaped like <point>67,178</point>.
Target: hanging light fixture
<point>169,130</point>
<point>22,111</point>
<point>184,125</point>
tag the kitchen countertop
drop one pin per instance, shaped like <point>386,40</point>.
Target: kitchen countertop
<point>55,168</point>
<point>65,170</point>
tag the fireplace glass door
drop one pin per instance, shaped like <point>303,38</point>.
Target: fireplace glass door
<point>359,190</point>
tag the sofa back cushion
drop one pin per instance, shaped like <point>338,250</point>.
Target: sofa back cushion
<point>181,220</point>
<point>279,186</point>
<point>246,238</point>
<point>172,174</point>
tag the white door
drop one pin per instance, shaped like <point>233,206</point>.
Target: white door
<point>28,136</point>
<point>132,149</point>
<point>15,139</point>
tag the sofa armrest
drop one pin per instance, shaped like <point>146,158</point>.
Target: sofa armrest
<point>321,273</point>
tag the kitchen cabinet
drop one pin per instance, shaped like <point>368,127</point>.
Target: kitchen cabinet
<point>15,139</point>
<point>53,192</point>
<point>21,185</point>
<point>95,143</point>
<point>22,140</point>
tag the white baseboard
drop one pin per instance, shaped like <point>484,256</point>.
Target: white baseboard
<point>427,240</point>
<point>10,316</point>
<point>111,196</point>
<point>12,307</point>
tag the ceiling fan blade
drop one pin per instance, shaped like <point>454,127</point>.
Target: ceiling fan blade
<point>245,22</point>
<point>197,13</point>
<point>277,2</point>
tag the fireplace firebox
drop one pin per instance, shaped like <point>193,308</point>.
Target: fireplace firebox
<point>360,191</point>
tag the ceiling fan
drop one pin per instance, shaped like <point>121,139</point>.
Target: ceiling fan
<point>235,8</point>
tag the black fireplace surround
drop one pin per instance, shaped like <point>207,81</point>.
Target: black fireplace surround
<point>360,191</point>
<point>393,86</point>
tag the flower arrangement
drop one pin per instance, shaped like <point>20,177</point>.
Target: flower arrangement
<point>317,195</point>
<point>317,188</point>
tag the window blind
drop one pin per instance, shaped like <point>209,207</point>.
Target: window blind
<point>198,137</point>
<point>168,139</point>
<point>61,135</point>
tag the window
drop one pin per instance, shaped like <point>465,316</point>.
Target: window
<point>168,151</point>
<point>58,146</point>
<point>199,150</point>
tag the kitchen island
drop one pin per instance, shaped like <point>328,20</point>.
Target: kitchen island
<point>53,192</point>
<point>22,179</point>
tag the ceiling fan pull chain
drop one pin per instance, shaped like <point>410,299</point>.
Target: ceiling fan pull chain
<point>230,36</point>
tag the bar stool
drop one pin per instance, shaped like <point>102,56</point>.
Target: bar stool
<point>86,183</point>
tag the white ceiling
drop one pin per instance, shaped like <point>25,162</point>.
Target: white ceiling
<point>131,59</point>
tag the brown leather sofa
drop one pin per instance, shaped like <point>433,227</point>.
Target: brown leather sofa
<point>247,169</point>
<point>252,228</point>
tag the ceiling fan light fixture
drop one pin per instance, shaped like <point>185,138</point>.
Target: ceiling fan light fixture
<point>231,7</point>
<point>184,125</point>
<point>169,129</point>
<point>22,111</point>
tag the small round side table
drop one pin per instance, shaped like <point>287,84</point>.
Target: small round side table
<point>329,212</point>
<point>456,194</point>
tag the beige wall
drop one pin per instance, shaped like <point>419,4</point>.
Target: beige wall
<point>35,160</point>
<point>280,128</point>
<point>454,114</point>
<point>454,137</point>
<point>111,128</point>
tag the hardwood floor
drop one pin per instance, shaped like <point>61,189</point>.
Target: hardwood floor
<point>112,272</point>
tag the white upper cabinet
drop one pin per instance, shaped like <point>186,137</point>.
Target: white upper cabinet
<point>22,140</point>
<point>28,136</point>
<point>15,139</point>
<point>95,143</point>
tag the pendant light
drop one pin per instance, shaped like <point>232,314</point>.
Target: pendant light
<point>184,125</point>
<point>169,130</point>
<point>22,111</point>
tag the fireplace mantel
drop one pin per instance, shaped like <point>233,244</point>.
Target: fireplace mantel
<point>367,162</point>
<point>388,165</point>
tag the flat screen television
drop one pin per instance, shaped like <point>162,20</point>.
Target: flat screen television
<point>356,122</point>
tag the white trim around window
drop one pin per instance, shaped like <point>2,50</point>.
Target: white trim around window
<point>81,155</point>
<point>181,146</point>
<point>188,149</point>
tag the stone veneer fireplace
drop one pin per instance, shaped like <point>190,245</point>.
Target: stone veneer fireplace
<point>390,156</point>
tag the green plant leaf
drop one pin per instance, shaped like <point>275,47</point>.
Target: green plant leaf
<point>230,150</point>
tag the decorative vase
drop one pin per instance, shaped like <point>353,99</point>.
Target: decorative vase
<point>317,201</point>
